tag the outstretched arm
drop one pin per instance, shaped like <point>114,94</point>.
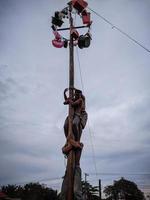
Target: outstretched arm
<point>65,96</point>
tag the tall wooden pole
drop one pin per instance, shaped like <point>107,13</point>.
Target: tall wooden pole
<point>71,156</point>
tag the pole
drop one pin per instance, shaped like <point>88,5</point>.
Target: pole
<point>75,27</point>
<point>86,188</point>
<point>100,188</point>
<point>71,156</point>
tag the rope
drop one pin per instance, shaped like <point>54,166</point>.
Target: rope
<point>79,65</point>
<point>90,133</point>
<point>121,31</point>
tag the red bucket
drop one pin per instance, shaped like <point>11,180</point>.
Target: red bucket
<point>86,17</point>
<point>79,5</point>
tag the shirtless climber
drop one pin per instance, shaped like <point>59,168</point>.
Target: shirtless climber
<point>78,123</point>
<point>78,120</point>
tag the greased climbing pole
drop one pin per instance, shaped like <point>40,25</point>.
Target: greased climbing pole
<point>77,116</point>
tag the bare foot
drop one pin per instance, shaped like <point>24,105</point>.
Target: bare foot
<point>66,149</point>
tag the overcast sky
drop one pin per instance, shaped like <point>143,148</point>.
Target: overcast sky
<point>33,75</point>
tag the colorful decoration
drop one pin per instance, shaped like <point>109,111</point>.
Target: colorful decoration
<point>79,5</point>
<point>86,17</point>
<point>83,41</point>
<point>57,20</point>
<point>57,42</point>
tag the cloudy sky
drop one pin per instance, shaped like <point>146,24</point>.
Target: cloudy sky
<point>33,75</point>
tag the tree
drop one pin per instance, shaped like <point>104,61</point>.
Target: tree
<point>123,189</point>
<point>10,190</point>
<point>31,191</point>
<point>90,190</point>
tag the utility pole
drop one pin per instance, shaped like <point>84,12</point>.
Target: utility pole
<point>86,177</point>
<point>86,188</point>
<point>100,189</point>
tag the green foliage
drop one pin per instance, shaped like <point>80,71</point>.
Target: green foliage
<point>123,189</point>
<point>90,191</point>
<point>11,190</point>
<point>31,191</point>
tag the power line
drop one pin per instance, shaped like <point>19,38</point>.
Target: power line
<point>79,64</point>
<point>39,180</point>
<point>50,179</point>
<point>128,174</point>
<point>121,31</point>
<point>93,150</point>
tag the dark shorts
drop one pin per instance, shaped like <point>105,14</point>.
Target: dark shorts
<point>84,117</point>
